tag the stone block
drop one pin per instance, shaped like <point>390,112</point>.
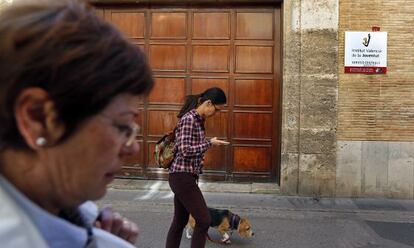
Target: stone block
<point>317,175</point>
<point>318,102</point>
<point>291,90</point>
<point>348,168</point>
<point>291,102</point>
<point>317,141</point>
<point>290,118</point>
<point>291,38</point>
<point>290,115</point>
<point>289,173</point>
<point>265,188</point>
<point>319,14</point>
<point>225,187</point>
<point>291,11</point>
<point>290,140</point>
<point>292,54</point>
<point>401,170</point>
<point>319,52</point>
<point>374,168</point>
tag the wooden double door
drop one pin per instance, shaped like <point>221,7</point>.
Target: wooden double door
<point>192,49</point>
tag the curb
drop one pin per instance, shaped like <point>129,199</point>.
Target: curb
<point>253,188</point>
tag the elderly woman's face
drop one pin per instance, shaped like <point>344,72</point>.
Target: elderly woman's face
<point>87,162</point>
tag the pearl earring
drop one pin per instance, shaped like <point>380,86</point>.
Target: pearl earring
<point>41,141</point>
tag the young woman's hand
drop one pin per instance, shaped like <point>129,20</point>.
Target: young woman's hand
<point>218,142</point>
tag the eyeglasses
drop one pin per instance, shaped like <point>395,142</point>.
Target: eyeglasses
<point>215,108</point>
<point>130,131</point>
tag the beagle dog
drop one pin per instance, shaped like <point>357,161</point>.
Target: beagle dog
<point>225,222</point>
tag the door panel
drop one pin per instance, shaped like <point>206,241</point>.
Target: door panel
<point>151,160</point>
<point>252,159</point>
<point>254,59</point>
<point>215,158</point>
<point>165,57</point>
<point>193,49</point>
<point>210,58</point>
<point>198,85</point>
<point>255,26</point>
<point>167,90</point>
<point>211,26</point>
<point>130,23</point>
<point>168,25</point>
<point>262,89</point>
<point>161,121</point>
<point>253,126</point>
<point>216,126</point>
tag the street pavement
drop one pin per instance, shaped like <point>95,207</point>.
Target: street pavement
<point>278,221</point>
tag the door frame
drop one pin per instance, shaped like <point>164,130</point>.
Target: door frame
<point>192,3</point>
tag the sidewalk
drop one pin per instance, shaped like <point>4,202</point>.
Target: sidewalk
<point>259,196</point>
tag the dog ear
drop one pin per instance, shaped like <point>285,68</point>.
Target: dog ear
<point>243,221</point>
<point>244,227</point>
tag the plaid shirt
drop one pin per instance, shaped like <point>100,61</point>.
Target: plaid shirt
<point>190,144</point>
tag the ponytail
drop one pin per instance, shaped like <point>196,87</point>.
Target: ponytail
<point>191,102</point>
<point>215,95</point>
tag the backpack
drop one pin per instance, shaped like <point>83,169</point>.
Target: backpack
<point>164,150</point>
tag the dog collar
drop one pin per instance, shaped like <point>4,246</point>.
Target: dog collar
<point>235,220</point>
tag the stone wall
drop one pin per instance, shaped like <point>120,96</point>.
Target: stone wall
<point>310,82</point>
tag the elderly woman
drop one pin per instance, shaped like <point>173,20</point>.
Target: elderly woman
<point>69,87</point>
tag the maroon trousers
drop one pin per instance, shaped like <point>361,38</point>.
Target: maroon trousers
<point>188,199</point>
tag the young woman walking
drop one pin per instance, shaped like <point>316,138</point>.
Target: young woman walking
<point>191,144</point>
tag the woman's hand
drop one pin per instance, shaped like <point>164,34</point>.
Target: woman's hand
<point>118,225</point>
<point>218,142</point>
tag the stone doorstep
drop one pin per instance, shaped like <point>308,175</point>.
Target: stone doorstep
<point>258,188</point>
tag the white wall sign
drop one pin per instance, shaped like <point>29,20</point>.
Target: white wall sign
<point>366,52</point>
